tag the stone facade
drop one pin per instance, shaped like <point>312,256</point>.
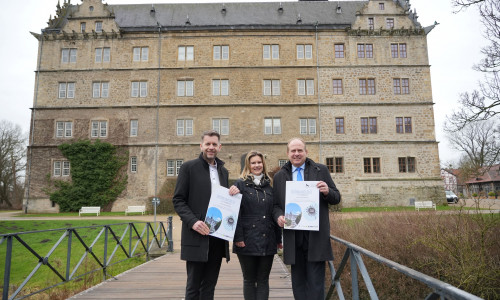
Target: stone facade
<point>245,106</point>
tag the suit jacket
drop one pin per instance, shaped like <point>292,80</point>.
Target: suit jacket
<point>191,198</point>
<point>319,246</point>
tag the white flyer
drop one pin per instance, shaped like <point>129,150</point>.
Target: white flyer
<point>302,205</point>
<point>222,213</point>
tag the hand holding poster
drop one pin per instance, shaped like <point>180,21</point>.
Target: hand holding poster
<point>302,205</point>
<point>222,213</point>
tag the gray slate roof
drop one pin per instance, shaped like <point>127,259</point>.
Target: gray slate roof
<point>237,15</point>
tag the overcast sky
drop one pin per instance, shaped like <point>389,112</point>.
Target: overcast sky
<point>454,47</point>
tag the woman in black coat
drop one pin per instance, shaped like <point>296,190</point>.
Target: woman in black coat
<point>257,236</point>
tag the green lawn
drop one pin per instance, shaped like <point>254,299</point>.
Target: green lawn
<point>24,262</point>
<point>400,208</point>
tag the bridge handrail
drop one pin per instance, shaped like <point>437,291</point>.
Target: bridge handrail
<point>160,236</point>
<point>440,288</point>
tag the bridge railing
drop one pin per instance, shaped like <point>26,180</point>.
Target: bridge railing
<point>441,290</point>
<point>151,236</point>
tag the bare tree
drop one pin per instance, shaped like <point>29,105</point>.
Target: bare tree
<point>480,144</point>
<point>484,102</point>
<point>12,163</point>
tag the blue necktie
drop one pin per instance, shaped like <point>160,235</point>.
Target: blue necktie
<point>299,175</point>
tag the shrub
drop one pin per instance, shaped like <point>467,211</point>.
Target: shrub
<point>491,194</point>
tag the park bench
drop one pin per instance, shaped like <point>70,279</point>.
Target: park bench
<point>424,204</point>
<point>89,210</point>
<point>136,209</point>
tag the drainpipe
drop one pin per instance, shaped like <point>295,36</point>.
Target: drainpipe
<point>319,97</point>
<point>33,115</point>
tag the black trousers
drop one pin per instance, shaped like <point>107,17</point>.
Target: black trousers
<point>308,278</point>
<point>202,276</point>
<point>256,271</point>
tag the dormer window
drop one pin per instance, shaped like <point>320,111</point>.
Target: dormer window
<point>91,8</point>
<point>98,26</point>
<point>381,6</point>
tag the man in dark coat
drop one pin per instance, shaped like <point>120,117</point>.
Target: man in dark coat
<point>202,253</point>
<point>306,251</point>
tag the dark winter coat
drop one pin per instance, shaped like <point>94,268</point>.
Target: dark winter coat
<point>319,245</point>
<point>191,198</point>
<point>255,222</point>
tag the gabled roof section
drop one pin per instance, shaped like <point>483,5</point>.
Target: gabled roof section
<point>492,175</point>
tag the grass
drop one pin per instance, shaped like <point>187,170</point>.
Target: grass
<point>401,208</point>
<point>24,262</point>
<point>75,214</point>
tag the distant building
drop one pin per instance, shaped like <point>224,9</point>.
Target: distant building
<point>489,181</point>
<point>352,78</point>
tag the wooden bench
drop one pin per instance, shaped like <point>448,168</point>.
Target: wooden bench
<point>136,209</point>
<point>89,210</point>
<point>424,204</point>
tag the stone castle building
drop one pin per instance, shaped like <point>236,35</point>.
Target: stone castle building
<point>351,78</point>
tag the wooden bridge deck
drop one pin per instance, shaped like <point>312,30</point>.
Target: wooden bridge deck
<point>165,278</point>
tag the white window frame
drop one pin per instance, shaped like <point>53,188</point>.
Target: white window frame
<point>304,51</point>
<point>272,125</point>
<point>282,162</point>
<point>185,53</point>
<point>271,87</point>
<point>100,89</point>
<point>64,129</point>
<point>134,127</point>
<point>133,164</point>
<point>184,127</point>
<point>305,87</point>
<point>66,90</point>
<point>68,55</point>
<point>220,87</point>
<point>102,54</point>
<point>271,51</point>
<point>185,88</point>
<point>173,166</point>
<point>140,53</point>
<point>139,89</point>
<point>307,125</point>
<point>221,52</point>
<point>83,26</point>
<point>221,125</point>
<point>98,129</point>
<point>61,168</point>
<point>98,26</point>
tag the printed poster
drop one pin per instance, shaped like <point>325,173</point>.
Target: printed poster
<point>302,205</point>
<point>222,213</point>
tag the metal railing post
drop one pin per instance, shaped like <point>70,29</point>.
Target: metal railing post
<point>354,276</point>
<point>105,257</point>
<point>169,235</point>
<point>6,273</point>
<point>68,254</point>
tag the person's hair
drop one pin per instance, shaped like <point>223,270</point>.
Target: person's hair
<point>210,133</point>
<point>246,169</point>
<point>293,139</point>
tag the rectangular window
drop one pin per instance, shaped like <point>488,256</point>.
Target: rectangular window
<point>141,53</point>
<point>83,26</point>
<point>98,26</point>
<point>66,90</point>
<point>100,89</point>
<point>102,54</point>
<point>133,164</point>
<point>282,162</point>
<point>337,87</point>
<point>371,164</point>
<point>173,167</point>
<point>389,23</point>
<point>134,127</point>
<point>307,126</point>
<point>402,50</point>
<point>371,24</point>
<point>272,126</point>
<point>398,49</point>
<point>367,86</point>
<point>408,125</point>
<point>68,55</point>
<point>339,50</point>
<point>99,129</point>
<point>185,88</point>
<point>61,168</point>
<point>272,87</point>
<point>57,168</point>
<point>185,53</point>
<point>361,50</point>
<point>221,126</point>
<point>221,52</point>
<point>271,52</point>
<point>139,89</point>
<point>381,6</point>
<point>401,85</point>
<point>184,127</point>
<point>339,125</point>
<point>64,129</point>
<point>335,164</point>
<point>406,164</point>
<point>220,87</point>
<point>399,125</point>
<point>369,125</point>
<point>365,50</point>
<point>305,87</point>
<point>304,51</point>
